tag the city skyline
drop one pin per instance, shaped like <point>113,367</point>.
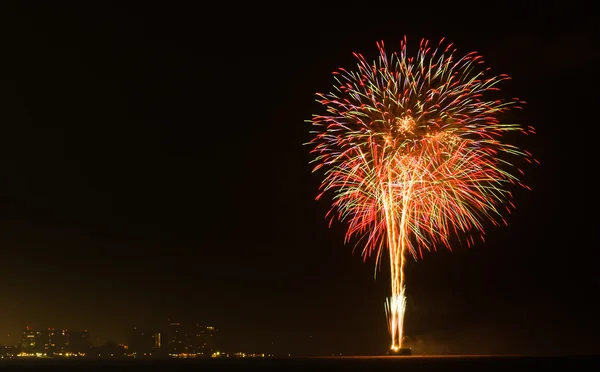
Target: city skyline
<point>170,339</point>
<point>17,338</point>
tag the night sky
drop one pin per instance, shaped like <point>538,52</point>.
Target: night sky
<point>152,165</point>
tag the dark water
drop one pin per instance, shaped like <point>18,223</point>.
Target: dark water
<point>508,364</point>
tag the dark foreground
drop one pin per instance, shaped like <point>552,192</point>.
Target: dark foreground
<point>384,363</point>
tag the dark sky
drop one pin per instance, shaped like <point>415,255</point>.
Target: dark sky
<point>153,166</point>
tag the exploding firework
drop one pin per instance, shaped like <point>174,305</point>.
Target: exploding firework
<point>414,155</point>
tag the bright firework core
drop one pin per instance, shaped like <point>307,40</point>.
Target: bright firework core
<point>414,156</point>
<point>405,125</point>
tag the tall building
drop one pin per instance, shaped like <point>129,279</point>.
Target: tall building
<point>190,340</point>
<point>205,340</point>
<point>175,338</point>
<point>145,343</point>
<point>54,341</point>
<point>31,341</point>
<point>48,342</point>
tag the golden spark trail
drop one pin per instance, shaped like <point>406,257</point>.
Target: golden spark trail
<point>398,241</point>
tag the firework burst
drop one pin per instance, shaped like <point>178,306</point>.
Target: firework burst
<point>414,156</point>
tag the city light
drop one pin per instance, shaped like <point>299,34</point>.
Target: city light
<point>173,340</point>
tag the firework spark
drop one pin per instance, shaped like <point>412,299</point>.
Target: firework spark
<point>414,155</point>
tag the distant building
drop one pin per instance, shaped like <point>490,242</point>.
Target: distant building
<point>54,341</point>
<point>145,343</point>
<point>205,340</point>
<point>31,341</point>
<point>173,339</point>
<point>77,342</point>
<point>8,351</point>
<point>190,340</point>
<point>176,338</point>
